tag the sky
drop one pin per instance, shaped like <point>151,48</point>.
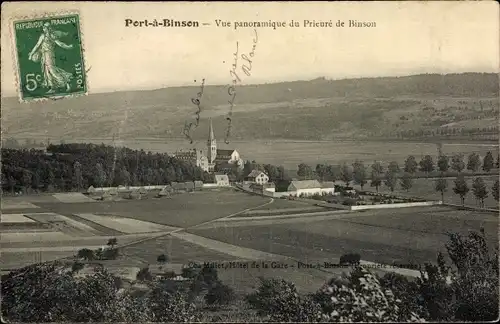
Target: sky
<point>409,38</point>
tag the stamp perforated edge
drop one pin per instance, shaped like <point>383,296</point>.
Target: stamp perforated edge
<point>41,15</point>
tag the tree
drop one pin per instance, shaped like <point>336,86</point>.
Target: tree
<point>494,190</point>
<point>479,190</point>
<point>359,173</point>
<point>280,300</point>
<point>391,180</point>
<point>27,180</point>
<point>488,162</point>
<point>144,275</point>
<point>36,182</point>
<point>461,188</point>
<point>162,259</point>
<point>457,162</point>
<point>376,175</point>
<point>124,177</point>
<point>78,177</point>
<point>112,242</point>
<point>49,292</point>
<point>150,176</point>
<point>443,163</point>
<point>406,182</point>
<point>219,294</point>
<point>473,162</point>
<point>411,165</point>
<point>360,297</point>
<point>441,185</point>
<point>426,164</point>
<point>304,171</point>
<point>377,168</point>
<point>77,266</point>
<point>86,254</point>
<point>247,168</point>
<point>346,174</point>
<point>321,171</point>
<point>497,163</point>
<point>271,171</point>
<point>100,175</point>
<point>168,306</point>
<point>393,167</point>
<point>452,293</point>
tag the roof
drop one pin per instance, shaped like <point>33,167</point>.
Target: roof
<point>225,152</point>
<point>306,184</point>
<point>328,184</point>
<point>221,177</point>
<point>254,174</point>
<point>224,166</point>
<point>185,154</point>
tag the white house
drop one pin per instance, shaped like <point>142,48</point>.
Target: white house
<point>328,187</point>
<point>222,180</point>
<point>258,177</point>
<point>310,187</point>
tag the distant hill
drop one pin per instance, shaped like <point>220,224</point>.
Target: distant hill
<point>316,109</point>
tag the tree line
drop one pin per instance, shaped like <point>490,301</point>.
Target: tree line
<point>75,167</point>
<point>393,174</point>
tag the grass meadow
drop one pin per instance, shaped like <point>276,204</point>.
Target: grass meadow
<point>180,211</point>
<point>404,236</point>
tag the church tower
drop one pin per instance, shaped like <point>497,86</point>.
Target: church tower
<point>211,148</point>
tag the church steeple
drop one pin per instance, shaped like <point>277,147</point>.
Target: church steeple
<point>211,136</point>
<point>211,147</point>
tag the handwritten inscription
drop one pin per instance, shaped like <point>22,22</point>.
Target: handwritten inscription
<point>246,68</point>
<point>197,102</point>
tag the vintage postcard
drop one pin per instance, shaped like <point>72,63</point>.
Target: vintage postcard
<point>250,161</point>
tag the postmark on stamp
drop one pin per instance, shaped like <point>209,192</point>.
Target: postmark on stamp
<point>49,57</point>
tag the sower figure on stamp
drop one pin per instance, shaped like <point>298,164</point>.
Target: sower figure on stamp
<point>44,51</point>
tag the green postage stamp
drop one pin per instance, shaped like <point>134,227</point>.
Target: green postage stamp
<point>49,57</point>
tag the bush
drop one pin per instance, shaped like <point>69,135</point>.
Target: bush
<point>219,294</point>
<point>110,254</point>
<point>170,307</point>
<point>77,266</point>
<point>279,300</point>
<point>361,298</point>
<point>169,274</point>
<point>189,272</point>
<point>472,294</point>
<point>86,254</point>
<point>350,259</point>
<point>162,258</point>
<point>204,280</point>
<point>144,275</point>
<point>49,293</point>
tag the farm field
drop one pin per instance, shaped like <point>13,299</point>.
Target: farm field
<point>281,204</point>
<point>11,260</point>
<point>125,225</point>
<point>242,280</point>
<point>15,218</point>
<point>180,211</point>
<point>178,251</point>
<point>327,240</point>
<point>424,188</point>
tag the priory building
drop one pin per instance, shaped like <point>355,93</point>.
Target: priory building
<point>215,160</point>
